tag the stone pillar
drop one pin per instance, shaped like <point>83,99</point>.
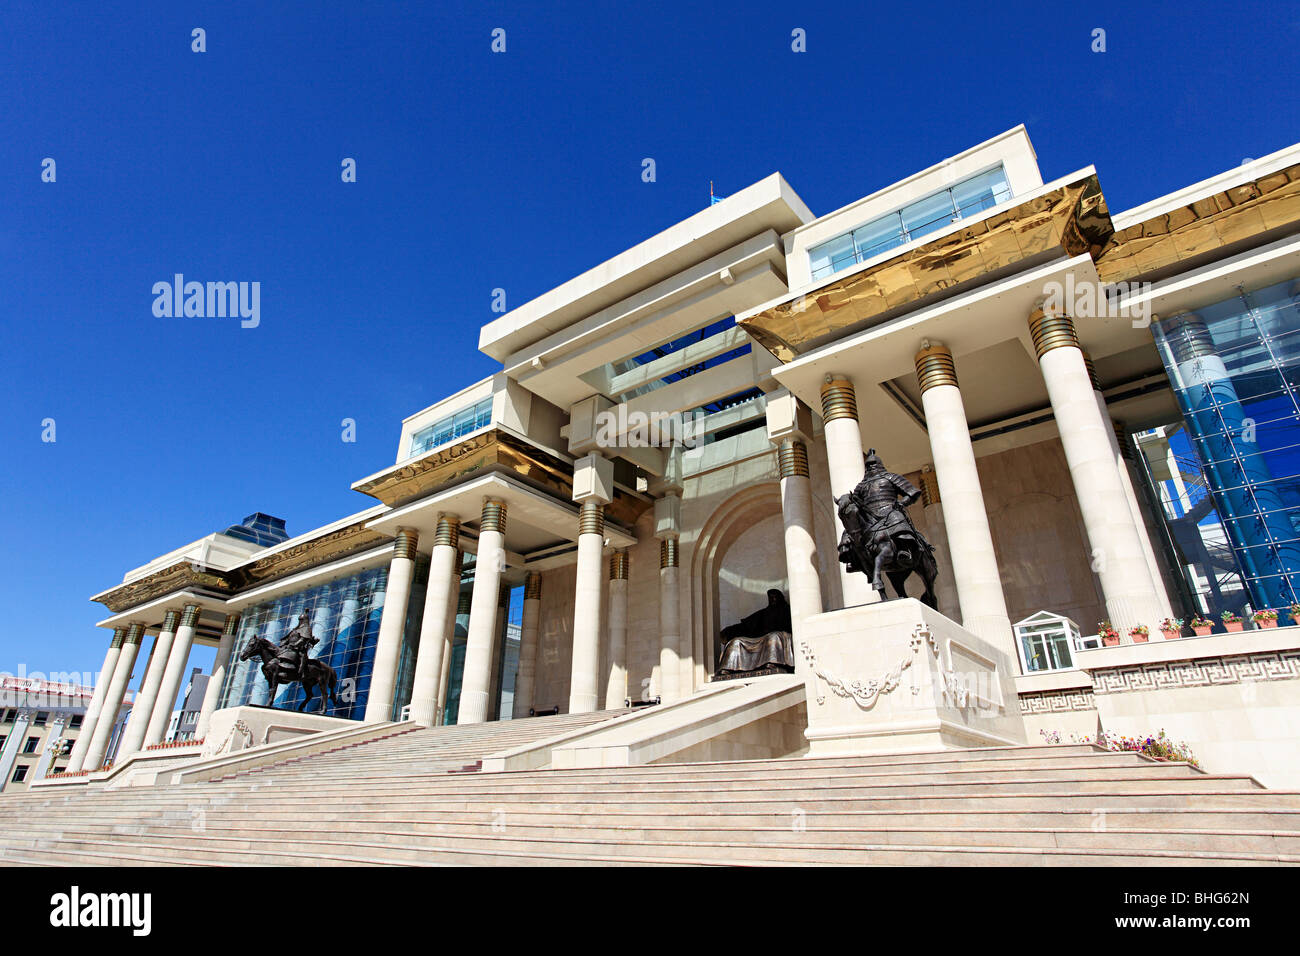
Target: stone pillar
<point>434,625</point>
<point>945,587</point>
<point>17,736</point>
<point>459,621</point>
<point>616,684</point>
<point>475,683</point>
<point>113,699</point>
<point>970,543</point>
<point>584,695</point>
<point>142,710</point>
<point>846,461</point>
<point>174,672</point>
<point>526,682</point>
<point>79,749</point>
<point>1087,438</point>
<point>1120,450</point>
<point>217,680</point>
<point>669,620</point>
<point>388,648</point>
<point>48,756</point>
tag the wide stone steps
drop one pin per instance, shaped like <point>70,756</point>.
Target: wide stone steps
<point>392,801</point>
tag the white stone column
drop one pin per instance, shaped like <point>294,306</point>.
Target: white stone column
<point>669,620</point>
<point>845,459</point>
<point>1087,436</point>
<point>48,756</point>
<point>616,683</point>
<point>388,648</point>
<point>476,679</point>
<point>9,756</point>
<point>1120,454</point>
<point>142,709</point>
<point>433,626</point>
<point>789,425</point>
<point>945,587</point>
<point>217,680</point>
<point>459,622</point>
<point>970,543</point>
<point>113,699</point>
<point>584,680</point>
<point>526,681</point>
<point>82,745</point>
<point>173,674</point>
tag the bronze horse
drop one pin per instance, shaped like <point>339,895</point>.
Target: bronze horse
<point>282,670</point>
<point>879,538</point>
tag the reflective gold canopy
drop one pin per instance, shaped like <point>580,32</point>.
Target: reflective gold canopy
<point>1071,219</point>
<point>1242,212</point>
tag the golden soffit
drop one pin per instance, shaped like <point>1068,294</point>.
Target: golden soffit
<point>1072,219</point>
<point>1239,213</point>
<point>178,577</point>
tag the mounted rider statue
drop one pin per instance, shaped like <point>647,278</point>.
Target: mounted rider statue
<point>879,538</point>
<point>292,651</point>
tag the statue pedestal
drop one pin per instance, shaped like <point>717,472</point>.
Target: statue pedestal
<point>898,676</point>
<point>237,728</point>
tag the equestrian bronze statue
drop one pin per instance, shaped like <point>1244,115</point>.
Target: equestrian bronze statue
<point>288,662</point>
<point>879,538</point>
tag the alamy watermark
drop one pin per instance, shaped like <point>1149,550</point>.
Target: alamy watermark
<point>619,428</point>
<point>1094,300</point>
<point>212,300</point>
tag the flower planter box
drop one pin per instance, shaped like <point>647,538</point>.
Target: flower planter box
<point>1202,631</point>
<point>1140,638</point>
<point>1109,641</point>
<point>1266,623</point>
<point>1171,635</point>
<point>1234,626</point>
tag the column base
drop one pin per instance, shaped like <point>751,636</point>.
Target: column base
<point>900,677</point>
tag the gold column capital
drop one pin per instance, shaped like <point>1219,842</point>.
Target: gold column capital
<point>792,458</point>
<point>135,634</point>
<point>170,619</point>
<point>190,616</point>
<point>1121,438</point>
<point>618,564</point>
<point>494,516</point>
<point>533,586</point>
<point>406,543</point>
<point>935,367</point>
<point>1052,329</point>
<point>1092,370</point>
<point>231,625</point>
<point>448,533</point>
<point>591,519</point>
<point>668,552</point>
<point>119,635</point>
<point>839,400</point>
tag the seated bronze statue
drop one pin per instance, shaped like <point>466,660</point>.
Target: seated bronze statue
<point>760,643</point>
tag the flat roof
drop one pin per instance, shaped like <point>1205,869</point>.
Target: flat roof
<point>769,203</point>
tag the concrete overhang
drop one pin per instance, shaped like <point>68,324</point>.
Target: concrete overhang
<point>1063,218</point>
<point>536,524</point>
<point>310,577</point>
<point>769,203</point>
<point>988,333</point>
<point>150,614</point>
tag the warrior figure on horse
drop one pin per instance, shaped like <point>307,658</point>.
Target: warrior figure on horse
<point>288,661</point>
<point>879,538</point>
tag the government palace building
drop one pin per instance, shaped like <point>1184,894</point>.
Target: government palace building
<point>621,552</point>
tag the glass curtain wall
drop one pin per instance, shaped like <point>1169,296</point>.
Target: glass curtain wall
<point>1235,370</point>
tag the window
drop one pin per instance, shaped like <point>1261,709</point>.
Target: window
<point>30,746</point>
<point>457,425</point>
<point>1046,642</point>
<point>42,716</point>
<point>967,198</point>
<point>75,722</point>
<point>20,773</point>
<point>3,738</point>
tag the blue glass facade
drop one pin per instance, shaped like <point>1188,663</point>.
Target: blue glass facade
<point>1235,370</point>
<point>345,615</point>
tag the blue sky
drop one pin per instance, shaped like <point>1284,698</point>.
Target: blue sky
<point>475,171</point>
